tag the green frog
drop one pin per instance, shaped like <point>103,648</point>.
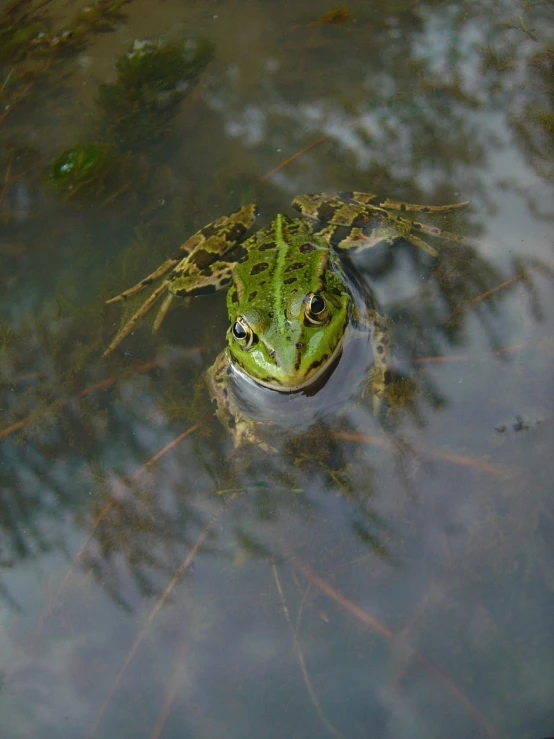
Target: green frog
<point>291,308</point>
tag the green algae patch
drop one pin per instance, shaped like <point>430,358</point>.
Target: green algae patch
<point>83,169</point>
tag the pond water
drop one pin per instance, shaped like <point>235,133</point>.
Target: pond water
<point>362,581</point>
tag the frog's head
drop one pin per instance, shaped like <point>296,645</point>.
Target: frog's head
<point>288,337</point>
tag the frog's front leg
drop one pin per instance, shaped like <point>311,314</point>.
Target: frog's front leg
<point>243,430</point>
<point>194,267</point>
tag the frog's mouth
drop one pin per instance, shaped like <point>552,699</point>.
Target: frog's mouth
<point>317,374</point>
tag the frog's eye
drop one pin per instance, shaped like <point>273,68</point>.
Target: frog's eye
<point>316,311</point>
<point>243,333</point>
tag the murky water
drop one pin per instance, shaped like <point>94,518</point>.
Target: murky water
<point>356,584</point>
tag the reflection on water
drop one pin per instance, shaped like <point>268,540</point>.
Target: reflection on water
<point>357,583</point>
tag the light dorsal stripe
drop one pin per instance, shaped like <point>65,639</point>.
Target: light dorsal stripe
<point>279,275</point>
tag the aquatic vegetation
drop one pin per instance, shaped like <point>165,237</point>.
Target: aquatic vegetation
<point>82,168</point>
<point>535,124</point>
<point>151,80</point>
<point>30,50</point>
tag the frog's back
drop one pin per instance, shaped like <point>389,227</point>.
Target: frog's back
<point>283,263</point>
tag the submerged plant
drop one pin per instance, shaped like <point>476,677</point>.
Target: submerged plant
<point>89,168</point>
<point>151,80</point>
<point>79,168</point>
<point>31,50</point>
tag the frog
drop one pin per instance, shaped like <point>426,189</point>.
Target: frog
<point>290,305</point>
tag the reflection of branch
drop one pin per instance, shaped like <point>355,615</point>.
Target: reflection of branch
<point>305,674</point>
<point>171,693</point>
<point>179,572</point>
<point>61,402</point>
<point>384,631</point>
<point>6,178</point>
<point>293,157</point>
<point>502,352</point>
<point>521,276</point>
<point>496,470</point>
<point>460,309</point>
<point>102,515</point>
<point>493,290</point>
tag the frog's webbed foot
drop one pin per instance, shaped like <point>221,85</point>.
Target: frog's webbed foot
<point>409,207</point>
<point>390,390</point>
<point>137,315</point>
<point>379,378</point>
<point>246,435</point>
<point>244,431</point>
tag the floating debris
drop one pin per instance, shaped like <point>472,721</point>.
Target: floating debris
<point>335,15</point>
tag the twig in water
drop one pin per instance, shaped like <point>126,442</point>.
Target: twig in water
<point>307,681</point>
<point>384,631</point>
<point>179,572</point>
<point>101,385</point>
<point>480,465</point>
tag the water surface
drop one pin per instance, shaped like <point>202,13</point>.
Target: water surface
<point>351,585</point>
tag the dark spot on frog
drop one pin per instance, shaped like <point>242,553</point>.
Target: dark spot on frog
<point>289,280</point>
<point>292,267</point>
<point>340,233</point>
<point>266,247</point>
<point>307,248</point>
<point>271,313</point>
<point>363,220</point>
<point>300,345</point>
<point>236,232</point>
<point>252,295</point>
<point>180,254</point>
<point>202,259</point>
<point>326,212</point>
<point>259,268</point>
